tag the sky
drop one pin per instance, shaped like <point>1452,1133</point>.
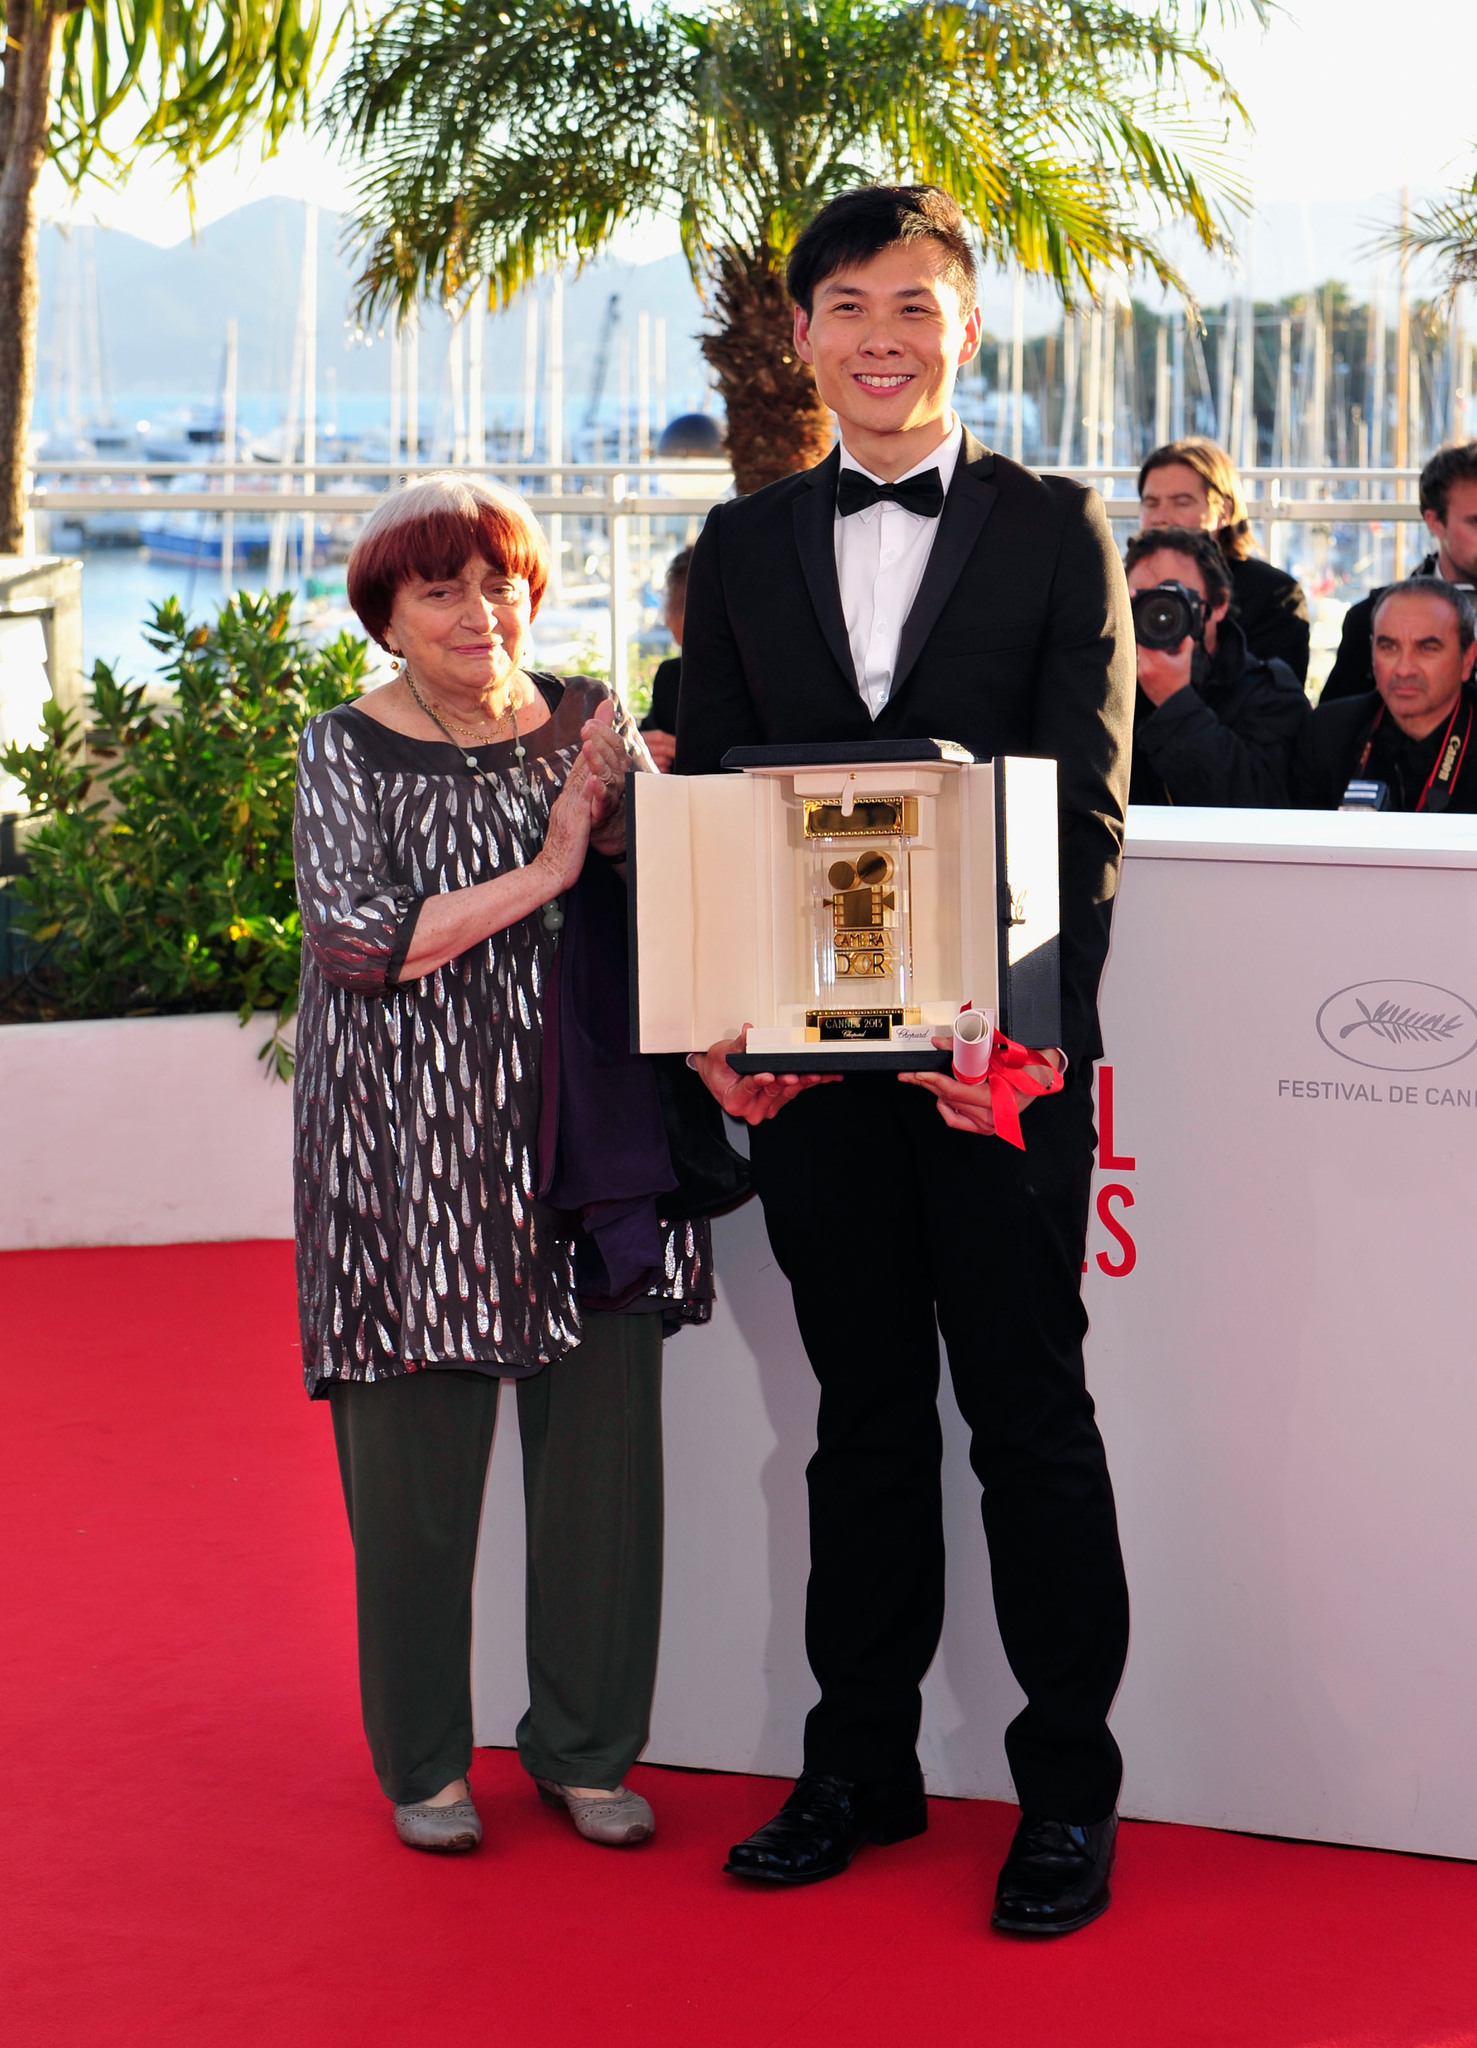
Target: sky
<point>1350,98</point>
<point>1355,96</point>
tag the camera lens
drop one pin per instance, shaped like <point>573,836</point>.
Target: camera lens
<point>1168,614</point>
<point>1162,618</point>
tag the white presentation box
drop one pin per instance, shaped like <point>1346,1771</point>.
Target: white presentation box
<point>845,902</point>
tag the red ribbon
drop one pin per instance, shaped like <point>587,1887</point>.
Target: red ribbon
<point>1007,1078</point>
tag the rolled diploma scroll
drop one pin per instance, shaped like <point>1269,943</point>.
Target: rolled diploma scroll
<point>974,1039</point>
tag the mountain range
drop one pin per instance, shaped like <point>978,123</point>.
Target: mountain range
<point>156,320</point>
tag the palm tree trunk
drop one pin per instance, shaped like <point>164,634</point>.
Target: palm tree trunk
<point>33,26</point>
<point>776,421</point>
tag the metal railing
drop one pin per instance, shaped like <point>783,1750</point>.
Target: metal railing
<point>1328,495</point>
<point>615,502</point>
<point>616,493</point>
<point>1266,492</point>
<point>630,491</point>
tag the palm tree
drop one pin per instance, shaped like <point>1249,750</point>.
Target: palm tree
<point>503,136</point>
<point>1446,229</point>
<point>91,86</point>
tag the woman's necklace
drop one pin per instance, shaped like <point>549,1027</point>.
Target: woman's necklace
<point>445,719</point>
<point>554,911</point>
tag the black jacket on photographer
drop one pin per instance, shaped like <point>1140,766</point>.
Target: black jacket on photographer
<point>1228,739</point>
<point>1331,754</point>
<point>1271,608</point>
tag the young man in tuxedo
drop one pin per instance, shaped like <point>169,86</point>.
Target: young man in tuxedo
<point>914,584</point>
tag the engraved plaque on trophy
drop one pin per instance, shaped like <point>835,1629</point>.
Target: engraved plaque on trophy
<point>844,903</point>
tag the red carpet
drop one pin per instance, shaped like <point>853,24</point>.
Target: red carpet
<point>196,1852</point>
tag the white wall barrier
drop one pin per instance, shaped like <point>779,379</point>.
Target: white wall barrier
<point>141,1130</point>
<point>1287,1377</point>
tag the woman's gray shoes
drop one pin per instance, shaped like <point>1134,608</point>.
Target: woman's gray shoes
<point>620,1823</point>
<point>448,1828</point>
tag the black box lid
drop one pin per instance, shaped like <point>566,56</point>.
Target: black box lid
<point>849,754</point>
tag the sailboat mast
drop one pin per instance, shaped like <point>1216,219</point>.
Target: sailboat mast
<point>310,376</point>
<point>228,455</point>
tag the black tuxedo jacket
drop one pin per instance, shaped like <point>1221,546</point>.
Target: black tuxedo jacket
<point>1020,641</point>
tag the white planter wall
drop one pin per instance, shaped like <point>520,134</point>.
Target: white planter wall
<point>141,1130</point>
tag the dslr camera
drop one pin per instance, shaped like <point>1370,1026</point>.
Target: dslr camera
<point>1168,614</point>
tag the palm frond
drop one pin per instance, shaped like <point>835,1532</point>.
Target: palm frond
<point>203,74</point>
<point>497,141</point>
<point>1445,229</point>
<point>499,137</point>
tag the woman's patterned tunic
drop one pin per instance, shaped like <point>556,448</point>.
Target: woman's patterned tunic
<point>419,1242</point>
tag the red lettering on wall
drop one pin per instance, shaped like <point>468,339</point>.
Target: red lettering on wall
<point>1116,1229</point>
<point>1107,1158</point>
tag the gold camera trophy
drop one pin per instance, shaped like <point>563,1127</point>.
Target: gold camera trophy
<point>845,903</point>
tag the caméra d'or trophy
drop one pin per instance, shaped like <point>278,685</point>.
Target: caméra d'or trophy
<point>846,902</point>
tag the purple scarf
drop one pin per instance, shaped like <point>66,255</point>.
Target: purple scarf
<point>602,1146</point>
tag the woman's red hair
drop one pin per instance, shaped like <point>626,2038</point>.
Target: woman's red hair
<point>433,528</point>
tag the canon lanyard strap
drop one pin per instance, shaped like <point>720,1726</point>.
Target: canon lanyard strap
<point>1448,763</point>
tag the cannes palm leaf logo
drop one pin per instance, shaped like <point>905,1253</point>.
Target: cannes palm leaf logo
<point>1404,1026</point>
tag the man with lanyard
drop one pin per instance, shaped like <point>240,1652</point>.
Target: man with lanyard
<point>1404,745</point>
<point>915,584</point>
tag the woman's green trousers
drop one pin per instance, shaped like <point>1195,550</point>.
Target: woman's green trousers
<point>413,1455</point>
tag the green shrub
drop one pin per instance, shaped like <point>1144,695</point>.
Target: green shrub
<point>161,869</point>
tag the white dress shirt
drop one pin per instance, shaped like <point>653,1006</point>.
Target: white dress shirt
<point>881,555</point>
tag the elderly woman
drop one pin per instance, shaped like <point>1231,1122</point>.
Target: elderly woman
<point>441,819</point>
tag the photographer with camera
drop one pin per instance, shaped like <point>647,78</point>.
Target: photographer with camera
<point>1213,723</point>
<point>1403,745</point>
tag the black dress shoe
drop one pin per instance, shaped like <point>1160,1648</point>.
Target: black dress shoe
<point>821,1826</point>
<point>1055,1878</point>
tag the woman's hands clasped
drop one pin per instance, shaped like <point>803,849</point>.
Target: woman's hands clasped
<point>603,755</point>
<point>562,855</point>
<point>590,810</point>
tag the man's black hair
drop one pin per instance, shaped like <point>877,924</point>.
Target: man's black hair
<point>856,226</point>
<point>677,568</point>
<point>1448,466</point>
<point>1201,547</point>
<point>1432,586</point>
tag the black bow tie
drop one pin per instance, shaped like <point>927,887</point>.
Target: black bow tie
<point>921,494</point>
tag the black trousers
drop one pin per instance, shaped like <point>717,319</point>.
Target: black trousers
<point>890,1227</point>
<point>413,1455</point>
